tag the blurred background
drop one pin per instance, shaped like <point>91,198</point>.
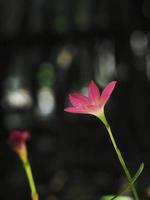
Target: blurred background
<point>49,49</point>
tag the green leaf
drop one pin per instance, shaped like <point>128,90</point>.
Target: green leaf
<point>110,197</point>
<point>139,171</point>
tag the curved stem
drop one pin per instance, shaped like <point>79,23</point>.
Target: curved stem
<point>123,164</point>
<point>120,157</point>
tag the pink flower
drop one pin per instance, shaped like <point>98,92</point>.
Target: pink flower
<point>93,103</point>
<point>17,140</point>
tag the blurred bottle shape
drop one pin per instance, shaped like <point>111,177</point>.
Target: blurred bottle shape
<point>17,98</point>
<point>17,86</point>
<point>105,63</point>
<point>45,93</point>
<point>64,57</point>
<point>139,47</point>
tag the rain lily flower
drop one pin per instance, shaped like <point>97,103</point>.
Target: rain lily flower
<point>17,140</point>
<point>93,103</point>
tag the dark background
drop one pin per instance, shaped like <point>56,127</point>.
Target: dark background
<point>51,48</point>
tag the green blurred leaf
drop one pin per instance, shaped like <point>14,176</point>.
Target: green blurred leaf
<point>110,197</point>
<point>139,171</point>
<point>46,75</point>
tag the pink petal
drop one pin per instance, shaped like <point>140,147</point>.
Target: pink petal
<point>75,110</point>
<point>94,93</point>
<point>25,135</point>
<point>107,92</point>
<point>78,100</point>
<point>91,109</point>
<point>18,138</point>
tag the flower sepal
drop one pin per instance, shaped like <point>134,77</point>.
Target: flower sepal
<point>102,117</point>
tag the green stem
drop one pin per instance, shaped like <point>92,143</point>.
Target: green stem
<point>28,171</point>
<point>121,159</point>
